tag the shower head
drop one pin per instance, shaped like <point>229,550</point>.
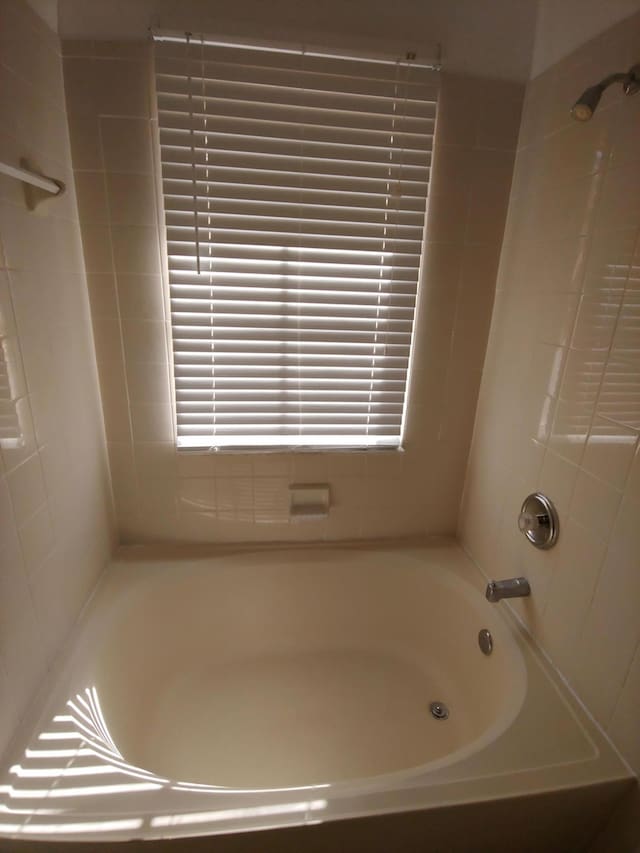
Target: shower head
<point>586,104</point>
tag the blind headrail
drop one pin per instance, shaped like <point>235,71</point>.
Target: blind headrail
<point>433,63</point>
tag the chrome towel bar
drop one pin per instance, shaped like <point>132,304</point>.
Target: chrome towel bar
<point>32,178</point>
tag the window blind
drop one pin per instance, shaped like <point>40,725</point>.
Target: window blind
<point>295,188</point>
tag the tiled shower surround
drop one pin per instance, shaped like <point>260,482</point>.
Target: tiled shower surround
<point>162,494</point>
<point>559,408</point>
<point>559,405</point>
<point>56,531</point>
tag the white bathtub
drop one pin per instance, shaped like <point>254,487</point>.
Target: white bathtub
<point>273,688</point>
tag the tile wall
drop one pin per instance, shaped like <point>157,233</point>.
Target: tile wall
<point>559,408</point>
<point>55,526</point>
<point>161,494</point>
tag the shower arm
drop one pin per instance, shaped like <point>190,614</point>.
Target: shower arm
<point>620,77</point>
<point>631,83</point>
<point>630,80</point>
<point>587,103</point>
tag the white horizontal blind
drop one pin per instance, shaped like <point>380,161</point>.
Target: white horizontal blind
<point>295,188</point>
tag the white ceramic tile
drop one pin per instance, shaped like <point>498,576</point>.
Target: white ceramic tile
<point>234,496</point>
<point>148,382</point>
<point>609,451</point>
<point>132,199</point>
<point>155,460</point>
<point>140,297</point>
<point>618,207</point>
<point>557,317</point>
<point>194,464</point>
<point>557,481</point>
<point>609,636</point>
<point>271,500</point>
<point>623,728</point>
<point>136,249</point>
<point>126,144</point>
<point>102,293</point>
<point>27,489</point>
<point>594,504</point>
<point>14,455</point>
<point>232,465</point>
<point>92,198</point>
<point>633,483</point>
<point>157,498</point>
<point>151,422</point>
<point>7,518</point>
<point>8,711</point>
<point>568,434</point>
<point>55,458</point>
<point>145,341</point>
<point>310,467</point>
<point>36,538</point>
<point>576,563</point>
<point>196,494</point>
<point>86,149</point>
<point>271,465</point>
<point>625,536</point>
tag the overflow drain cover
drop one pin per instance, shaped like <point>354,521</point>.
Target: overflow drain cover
<point>439,710</point>
<point>485,641</point>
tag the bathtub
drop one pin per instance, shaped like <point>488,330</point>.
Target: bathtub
<point>323,688</point>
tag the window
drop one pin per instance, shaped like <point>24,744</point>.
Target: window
<point>295,188</point>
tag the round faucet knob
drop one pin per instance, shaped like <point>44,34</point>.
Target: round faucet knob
<point>538,520</point>
<point>525,521</point>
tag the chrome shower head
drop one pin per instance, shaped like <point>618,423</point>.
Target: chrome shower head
<point>586,104</point>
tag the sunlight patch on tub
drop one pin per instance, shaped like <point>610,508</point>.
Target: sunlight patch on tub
<point>82,754</point>
<point>59,772</point>
<point>57,753</point>
<point>85,791</point>
<point>239,814</point>
<point>86,826</point>
<point>198,787</point>
<point>60,736</point>
<point>96,716</point>
<point>15,810</point>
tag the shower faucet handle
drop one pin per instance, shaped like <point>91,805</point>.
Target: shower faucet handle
<point>538,520</point>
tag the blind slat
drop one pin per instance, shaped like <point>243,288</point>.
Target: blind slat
<point>178,147</point>
<point>270,146</point>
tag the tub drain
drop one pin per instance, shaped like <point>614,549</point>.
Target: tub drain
<point>439,710</point>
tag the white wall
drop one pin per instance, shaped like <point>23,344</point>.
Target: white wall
<point>564,25</point>
<point>559,407</point>
<point>161,494</point>
<point>48,11</point>
<point>480,38</point>
<point>55,526</point>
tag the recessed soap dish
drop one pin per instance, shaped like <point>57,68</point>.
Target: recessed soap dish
<point>308,501</point>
